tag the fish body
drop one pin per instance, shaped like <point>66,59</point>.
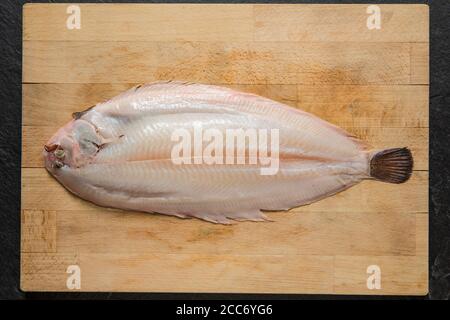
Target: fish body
<point>126,153</point>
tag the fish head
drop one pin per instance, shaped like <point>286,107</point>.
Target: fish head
<point>73,146</point>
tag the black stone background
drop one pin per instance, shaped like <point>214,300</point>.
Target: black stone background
<point>10,153</point>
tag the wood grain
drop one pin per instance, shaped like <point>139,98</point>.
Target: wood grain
<point>319,58</point>
<point>219,62</point>
<point>420,63</point>
<point>138,22</point>
<point>230,273</point>
<point>38,231</point>
<point>167,22</point>
<point>422,235</point>
<point>339,23</point>
<point>401,106</point>
<point>304,233</point>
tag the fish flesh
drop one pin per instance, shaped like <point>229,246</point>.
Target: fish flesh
<point>130,152</point>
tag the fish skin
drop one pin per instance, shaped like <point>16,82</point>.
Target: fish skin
<point>117,154</point>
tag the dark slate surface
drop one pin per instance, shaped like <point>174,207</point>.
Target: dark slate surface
<point>10,146</point>
<point>439,150</point>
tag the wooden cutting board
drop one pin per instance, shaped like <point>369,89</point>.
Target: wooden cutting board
<point>321,58</point>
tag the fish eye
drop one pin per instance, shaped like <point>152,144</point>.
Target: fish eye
<point>58,164</point>
<point>59,153</point>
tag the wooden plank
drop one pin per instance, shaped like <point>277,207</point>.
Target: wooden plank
<point>51,104</point>
<point>368,196</point>
<point>207,273</point>
<point>140,22</point>
<point>422,235</point>
<point>420,63</point>
<point>330,233</point>
<point>38,231</point>
<point>399,275</point>
<point>34,138</point>
<point>233,273</point>
<point>217,62</point>
<point>181,273</point>
<point>207,22</point>
<point>367,106</point>
<point>399,23</point>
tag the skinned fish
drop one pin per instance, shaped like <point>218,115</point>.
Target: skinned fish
<point>120,153</point>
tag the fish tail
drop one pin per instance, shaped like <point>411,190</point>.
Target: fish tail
<point>392,165</point>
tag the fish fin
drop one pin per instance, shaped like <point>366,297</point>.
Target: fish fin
<point>79,114</point>
<point>249,215</point>
<point>214,218</point>
<point>162,86</point>
<point>392,165</point>
<point>227,218</point>
<point>176,214</point>
<point>165,84</point>
<point>162,90</point>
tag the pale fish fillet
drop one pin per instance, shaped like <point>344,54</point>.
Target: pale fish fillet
<point>118,154</point>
